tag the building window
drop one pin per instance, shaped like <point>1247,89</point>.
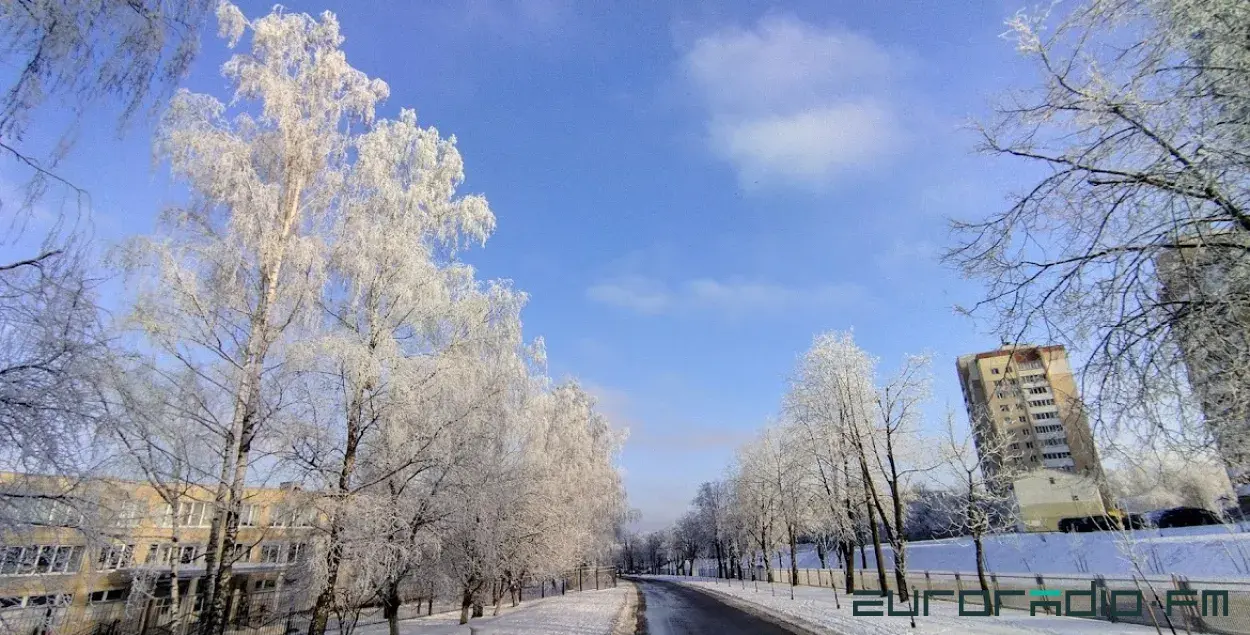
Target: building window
<point>40,559</point>
<point>1014,446</point>
<point>296,551</point>
<point>248,516</point>
<point>112,595</point>
<point>59,599</point>
<point>114,557</point>
<point>10,602</point>
<point>1028,444</point>
<point>190,514</point>
<point>993,371</point>
<point>1038,403</point>
<point>294,518</point>
<point>242,552</point>
<point>131,512</point>
<point>1004,408</point>
<point>1045,415</point>
<point>161,554</point>
<point>266,585</point>
<point>271,554</point>
<point>1039,390</point>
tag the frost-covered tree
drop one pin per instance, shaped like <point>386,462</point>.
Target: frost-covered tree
<point>53,351</point>
<point>1131,244</point>
<point>1149,480</point>
<point>984,502</point>
<point>398,312</point>
<point>711,505</point>
<point>897,453</point>
<point>833,398</point>
<point>755,495</point>
<point>85,52</point>
<point>156,426</point>
<point>235,271</point>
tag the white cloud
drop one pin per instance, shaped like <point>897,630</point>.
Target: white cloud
<point>790,102</point>
<point>734,296</point>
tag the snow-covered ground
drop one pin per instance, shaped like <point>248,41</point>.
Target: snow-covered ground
<point>1217,552</point>
<point>816,606</point>
<point>586,613</point>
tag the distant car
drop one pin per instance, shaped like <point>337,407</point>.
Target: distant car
<point>1184,517</point>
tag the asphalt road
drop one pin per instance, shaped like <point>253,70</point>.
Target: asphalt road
<point>672,609</point>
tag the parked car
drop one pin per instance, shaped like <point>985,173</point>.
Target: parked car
<point>1184,517</point>
<point>1103,522</point>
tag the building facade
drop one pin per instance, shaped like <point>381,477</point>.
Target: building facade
<point>1025,397</point>
<point>83,557</point>
<point>1205,297</point>
<point>1045,497</point>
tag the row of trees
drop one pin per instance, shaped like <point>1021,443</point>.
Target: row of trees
<point>305,317</point>
<point>851,466</point>
<point>839,469</point>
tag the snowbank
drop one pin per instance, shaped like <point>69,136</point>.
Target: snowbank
<point>1218,552</point>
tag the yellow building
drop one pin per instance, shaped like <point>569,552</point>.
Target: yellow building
<point>1027,395</point>
<point>1045,497</point>
<point>93,553</point>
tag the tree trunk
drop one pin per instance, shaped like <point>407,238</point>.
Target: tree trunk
<point>390,608</point>
<point>976,540</point>
<point>466,602</point>
<point>869,493</point>
<point>821,554</point>
<point>848,558</point>
<point>334,548</point>
<point>794,558</point>
<point>497,592</point>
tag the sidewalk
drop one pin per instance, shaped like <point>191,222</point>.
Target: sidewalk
<point>816,606</point>
<point>585,613</point>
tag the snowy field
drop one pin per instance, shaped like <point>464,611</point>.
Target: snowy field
<point>586,613</point>
<point>1216,552</point>
<point>816,607</point>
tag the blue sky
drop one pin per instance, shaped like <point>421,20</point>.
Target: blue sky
<point>690,191</point>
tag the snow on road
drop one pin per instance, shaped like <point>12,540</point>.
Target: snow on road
<point>816,606</point>
<point>586,613</point>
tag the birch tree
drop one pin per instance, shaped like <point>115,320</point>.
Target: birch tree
<point>983,466</point>
<point>394,302</point>
<point>53,350</point>
<point>896,450</point>
<point>235,271</point>
<point>1131,244</point>
<point>86,52</point>
<point>832,395</point>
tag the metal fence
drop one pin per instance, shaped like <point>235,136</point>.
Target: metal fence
<point>1218,606</point>
<point>263,613</point>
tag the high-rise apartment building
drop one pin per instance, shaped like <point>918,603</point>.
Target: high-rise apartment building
<point>1026,396</point>
<point>1206,293</point>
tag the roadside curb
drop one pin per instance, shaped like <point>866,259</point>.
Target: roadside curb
<point>796,624</point>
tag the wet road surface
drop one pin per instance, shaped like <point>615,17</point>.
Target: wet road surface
<point>672,609</point>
